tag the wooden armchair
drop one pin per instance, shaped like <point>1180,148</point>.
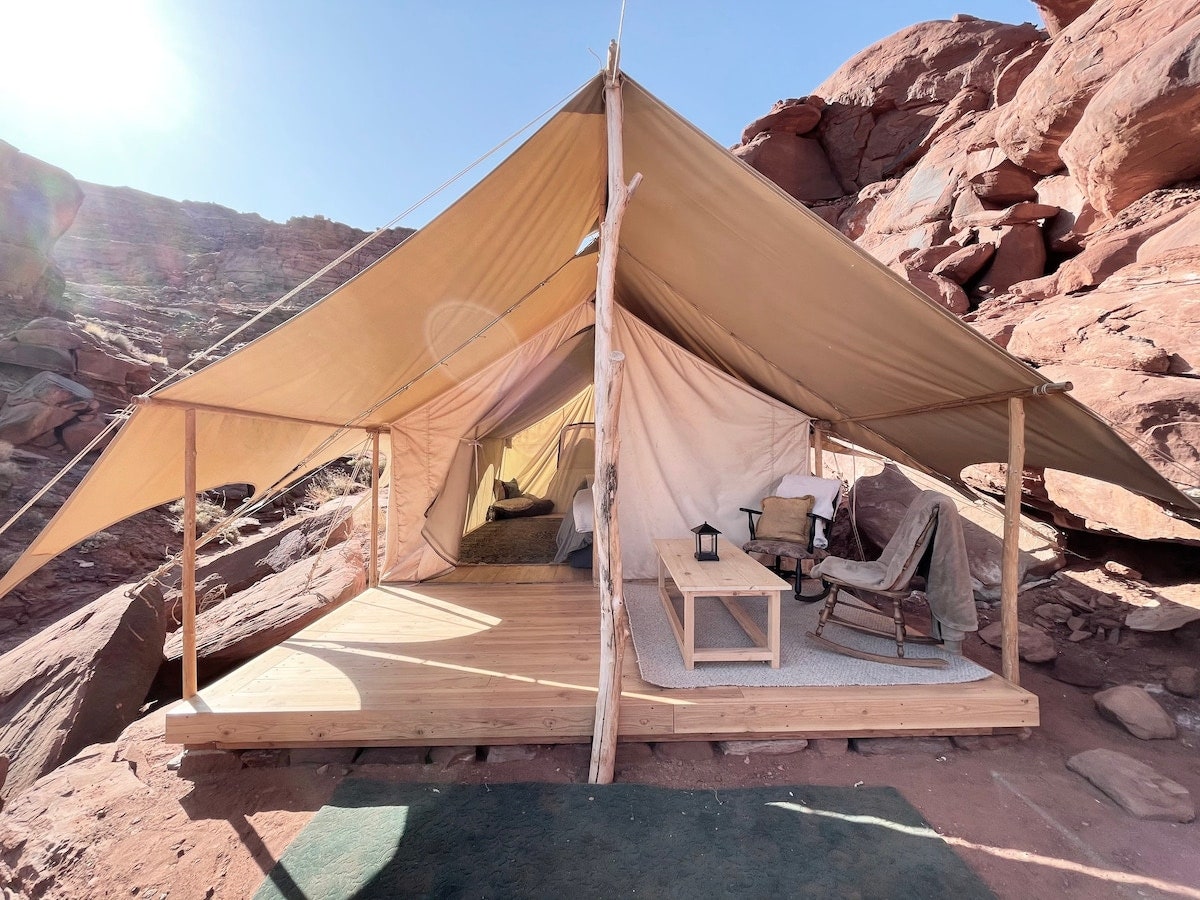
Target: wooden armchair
<point>786,539</point>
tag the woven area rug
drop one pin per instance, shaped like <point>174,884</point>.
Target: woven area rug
<point>511,542</point>
<point>385,840</point>
<point>802,662</point>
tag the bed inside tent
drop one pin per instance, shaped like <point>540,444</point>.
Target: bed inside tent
<point>528,502</point>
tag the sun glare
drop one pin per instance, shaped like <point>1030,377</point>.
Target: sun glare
<point>90,62</point>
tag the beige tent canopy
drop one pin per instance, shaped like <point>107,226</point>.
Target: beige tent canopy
<point>715,264</point>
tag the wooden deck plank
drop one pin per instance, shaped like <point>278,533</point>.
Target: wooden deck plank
<point>503,663</point>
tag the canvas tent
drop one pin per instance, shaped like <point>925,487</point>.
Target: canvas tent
<point>715,265</point>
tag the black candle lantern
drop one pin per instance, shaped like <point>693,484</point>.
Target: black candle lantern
<point>706,542</point>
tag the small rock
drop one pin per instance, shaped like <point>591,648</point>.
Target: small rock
<point>1134,786</point>
<point>684,751</point>
<point>502,753</point>
<point>974,742</point>
<point>335,771</point>
<point>1135,709</point>
<point>264,759</point>
<point>830,746</point>
<point>208,762</point>
<point>1167,617</point>
<point>1122,571</point>
<point>451,756</point>
<point>1035,645</point>
<point>887,746</point>
<point>1079,669</point>
<point>1076,623</point>
<point>762,748</point>
<point>392,756</point>
<point>1181,680</point>
<point>1055,612</point>
<point>1076,636</point>
<point>1114,636</point>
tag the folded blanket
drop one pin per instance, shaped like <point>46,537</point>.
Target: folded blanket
<point>932,517</point>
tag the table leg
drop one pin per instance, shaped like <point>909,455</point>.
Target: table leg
<point>774,601</point>
<point>689,630</point>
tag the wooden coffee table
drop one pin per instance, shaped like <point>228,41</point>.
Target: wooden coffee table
<point>731,578</point>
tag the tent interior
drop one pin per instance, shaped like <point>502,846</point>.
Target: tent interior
<point>697,445</point>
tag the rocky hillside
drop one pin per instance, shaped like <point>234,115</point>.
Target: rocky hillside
<point>103,291</point>
<point>1039,183</point>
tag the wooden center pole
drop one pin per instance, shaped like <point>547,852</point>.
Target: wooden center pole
<point>188,561</point>
<point>1009,651</point>
<point>609,370</point>
<point>373,547</point>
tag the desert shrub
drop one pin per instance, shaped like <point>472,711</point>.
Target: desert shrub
<point>208,514</point>
<point>330,484</point>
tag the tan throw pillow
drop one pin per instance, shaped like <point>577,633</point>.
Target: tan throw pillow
<point>785,519</point>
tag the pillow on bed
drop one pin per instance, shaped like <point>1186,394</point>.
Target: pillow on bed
<point>519,507</point>
<point>785,519</point>
<point>512,490</point>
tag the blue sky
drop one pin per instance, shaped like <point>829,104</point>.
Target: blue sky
<point>356,109</point>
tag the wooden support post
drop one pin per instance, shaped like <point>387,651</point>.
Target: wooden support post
<point>1009,652</point>
<point>373,547</point>
<point>189,554</point>
<point>609,371</point>
<point>614,622</point>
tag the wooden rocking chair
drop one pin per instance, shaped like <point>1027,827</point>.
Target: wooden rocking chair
<point>907,555</point>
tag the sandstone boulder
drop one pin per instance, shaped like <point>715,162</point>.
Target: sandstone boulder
<point>1160,413</point>
<point>796,164</point>
<point>1166,617</point>
<point>795,116</point>
<point>1066,231</point>
<point>1020,255</point>
<point>1134,786</point>
<point>78,682</point>
<point>1035,646</point>
<point>1137,711</point>
<point>1139,131</point>
<point>1079,669</point>
<point>40,405</point>
<point>38,202</point>
<point>31,356</point>
<point>246,624</point>
<point>1140,331</point>
<point>996,179</point>
<point>1086,54</point>
<point>881,500</point>
<point>1058,14</point>
<point>1017,71</point>
<point>1073,501</point>
<point>884,101</point>
<point>1183,681</point>
<point>941,291</point>
<point>962,265</point>
<point>234,569</point>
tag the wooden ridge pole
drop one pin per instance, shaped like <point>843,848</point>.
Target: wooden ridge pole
<point>609,374</point>
<point>1041,390</point>
<point>1010,666</point>
<point>373,547</point>
<point>189,554</point>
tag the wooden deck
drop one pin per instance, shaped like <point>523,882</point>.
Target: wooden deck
<point>451,664</point>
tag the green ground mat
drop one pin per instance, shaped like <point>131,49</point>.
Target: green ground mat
<point>566,841</point>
